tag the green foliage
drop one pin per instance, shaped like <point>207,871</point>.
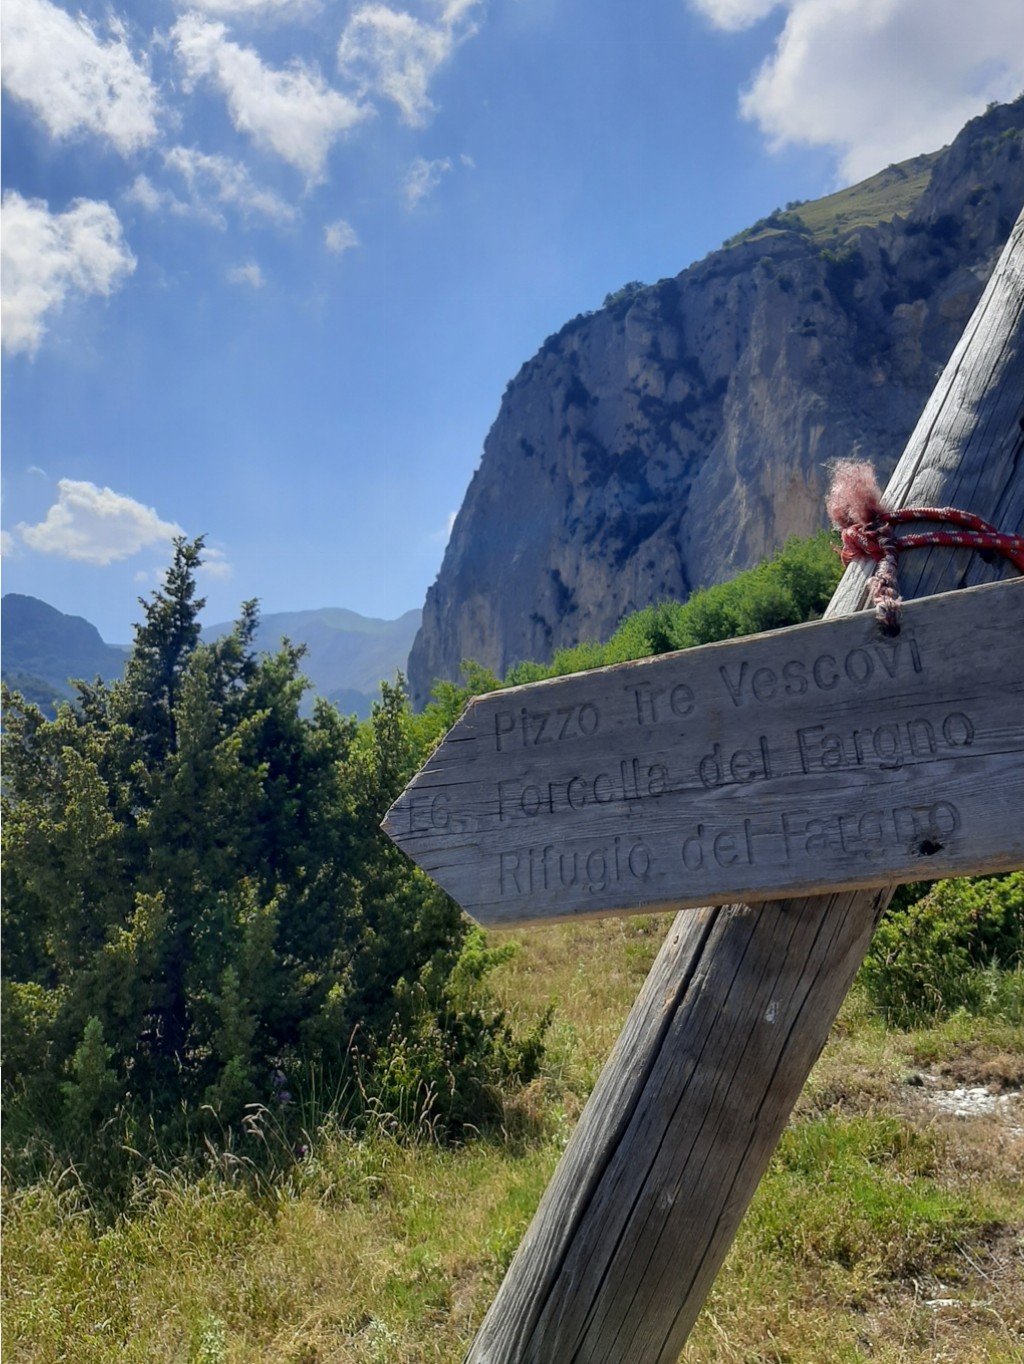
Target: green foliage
<point>875,1197</point>
<point>959,946</point>
<point>776,221</point>
<point>793,586</point>
<point>91,1094</point>
<point>448,702</point>
<point>634,286</point>
<point>35,689</point>
<point>896,190</point>
<point>198,898</point>
<point>370,1247</point>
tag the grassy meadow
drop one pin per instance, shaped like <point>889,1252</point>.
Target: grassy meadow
<point>888,1228</point>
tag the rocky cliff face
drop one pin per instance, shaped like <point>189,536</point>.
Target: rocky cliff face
<point>681,433</point>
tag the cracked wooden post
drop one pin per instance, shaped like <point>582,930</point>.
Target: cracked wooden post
<point>651,1189</point>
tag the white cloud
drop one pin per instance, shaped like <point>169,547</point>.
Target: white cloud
<point>215,564</point>
<point>143,192</point>
<point>879,80</point>
<point>340,237</point>
<point>442,536</point>
<point>735,14</point>
<point>423,178</point>
<point>393,54</point>
<point>218,178</point>
<point>256,9</point>
<point>292,112</point>
<point>8,545</point>
<point>73,81</point>
<point>96,525</point>
<point>47,256</point>
<point>152,199</point>
<point>248,274</point>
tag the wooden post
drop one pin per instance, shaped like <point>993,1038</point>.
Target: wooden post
<point>650,1192</point>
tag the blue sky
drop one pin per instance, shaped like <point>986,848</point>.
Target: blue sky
<point>268,265</point>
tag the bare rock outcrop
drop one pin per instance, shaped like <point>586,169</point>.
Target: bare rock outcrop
<point>681,433</point>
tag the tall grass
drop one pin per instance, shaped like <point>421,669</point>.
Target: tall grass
<point>882,1231</point>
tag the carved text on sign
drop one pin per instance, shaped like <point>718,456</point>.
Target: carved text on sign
<point>825,755</point>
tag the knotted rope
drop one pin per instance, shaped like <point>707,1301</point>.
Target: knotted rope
<point>868,528</point>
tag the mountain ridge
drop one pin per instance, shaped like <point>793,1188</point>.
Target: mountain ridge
<point>43,649</point>
<point>347,654</point>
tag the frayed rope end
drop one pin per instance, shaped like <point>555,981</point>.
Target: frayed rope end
<point>854,498</point>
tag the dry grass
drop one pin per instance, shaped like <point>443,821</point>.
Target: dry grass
<point>892,191</point>
<point>886,1230</point>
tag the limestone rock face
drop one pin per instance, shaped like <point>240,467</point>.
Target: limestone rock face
<point>681,433</point>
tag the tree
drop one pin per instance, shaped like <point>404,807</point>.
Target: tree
<point>198,896</point>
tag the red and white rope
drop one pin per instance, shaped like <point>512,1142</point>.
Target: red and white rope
<point>868,530</point>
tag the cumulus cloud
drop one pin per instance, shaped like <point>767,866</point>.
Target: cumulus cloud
<point>879,80</point>
<point>248,274</point>
<point>72,80</point>
<point>96,525</point>
<point>220,180</point>
<point>8,544</point>
<point>215,563</point>
<point>735,14</point>
<point>256,9</point>
<point>392,54</point>
<point>46,257</point>
<point>340,237</point>
<point>442,535</point>
<point>143,192</point>
<point>423,178</point>
<point>293,112</point>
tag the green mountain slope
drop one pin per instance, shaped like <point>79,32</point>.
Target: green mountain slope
<point>347,655</point>
<point>893,192</point>
<point>43,649</point>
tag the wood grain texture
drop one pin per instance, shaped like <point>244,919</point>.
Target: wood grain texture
<point>683,1121</point>
<point>817,758</point>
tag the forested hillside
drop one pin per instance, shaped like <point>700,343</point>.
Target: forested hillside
<point>43,649</point>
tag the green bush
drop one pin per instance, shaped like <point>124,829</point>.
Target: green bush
<point>452,1054</point>
<point>792,587</point>
<point>960,946</point>
<point>200,908</point>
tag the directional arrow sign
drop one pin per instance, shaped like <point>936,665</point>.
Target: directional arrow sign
<point>823,757</point>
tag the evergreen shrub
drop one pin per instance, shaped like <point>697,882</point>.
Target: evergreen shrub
<point>959,946</point>
<point>201,912</point>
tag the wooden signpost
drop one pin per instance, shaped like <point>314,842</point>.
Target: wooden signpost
<point>824,756</point>
<point>870,774</point>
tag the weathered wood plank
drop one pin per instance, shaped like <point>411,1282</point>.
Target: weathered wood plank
<point>817,758</point>
<point>668,1152</point>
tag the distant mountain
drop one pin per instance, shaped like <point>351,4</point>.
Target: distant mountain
<point>680,433</point>
<point>43,650</point>
<point>347,655</point>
